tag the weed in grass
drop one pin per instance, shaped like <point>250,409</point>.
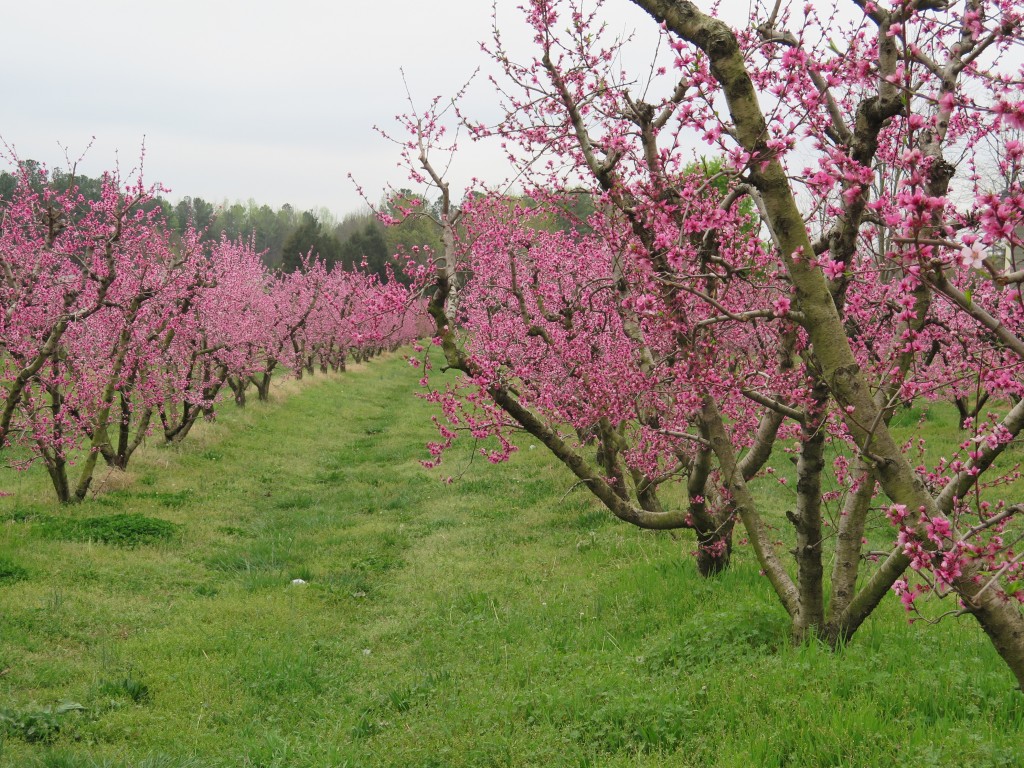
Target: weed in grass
<point>403,699</point>
<point>23,513</point>
<point>54,601</point>
<point>11,571</point>
<point>716,638</point>
<point>123,530</point>
<point>639,723</point>
<point>592,519</point>
<point>294,501</point>
<point>205,590</point>
<point>280,669</point>
<point>330,476</point>
<point>40,724</point>
<point>377,562</point>
<point>431,527</point>
<point>1004,757</point>
<point>345,586</point>
<point>128,686</point>
<point>255,581</point>
<point>273,554</point>
<point>169,499</point>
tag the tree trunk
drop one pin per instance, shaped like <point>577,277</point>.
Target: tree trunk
<point>57,469</point>
<point>238,386</point>
<point>714,550</point>
<point>262,387</point>
<point>53,459</point>
<point>849,542</point>
<point>1002,621</point>
<point>118,457</point>
<point>810,619</point>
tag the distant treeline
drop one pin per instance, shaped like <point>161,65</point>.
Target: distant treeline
<point>283,236</point>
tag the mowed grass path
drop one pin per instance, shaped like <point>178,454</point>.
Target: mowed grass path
<point>504,620</point>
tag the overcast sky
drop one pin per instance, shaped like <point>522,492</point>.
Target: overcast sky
<point>239,99</point>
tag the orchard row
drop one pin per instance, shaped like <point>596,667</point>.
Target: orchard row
<point>113,328</point>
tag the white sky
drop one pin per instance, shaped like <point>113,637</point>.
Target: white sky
<point>234,99</point>
<point>273,100</point>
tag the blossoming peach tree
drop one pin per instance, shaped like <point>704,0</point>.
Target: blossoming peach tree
<point>833,268</point>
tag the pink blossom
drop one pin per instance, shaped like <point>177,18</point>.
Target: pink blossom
<point>972,256</point>
<point>833,269</point>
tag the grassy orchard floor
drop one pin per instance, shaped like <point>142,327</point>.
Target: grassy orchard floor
<point>501,621</point>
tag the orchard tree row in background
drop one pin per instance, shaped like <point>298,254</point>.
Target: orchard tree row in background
<point>850,256</point>
<point>115,326</point>
<point>283,237</point>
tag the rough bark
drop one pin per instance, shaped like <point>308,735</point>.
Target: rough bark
<point>852,522</point>
<point>743,501</point>
<point>238,387</point>
<point>262,382</point>
<point>807,521</point>
<point>119,456</point>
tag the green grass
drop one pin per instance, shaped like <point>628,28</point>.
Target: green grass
<point>500,621</point>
